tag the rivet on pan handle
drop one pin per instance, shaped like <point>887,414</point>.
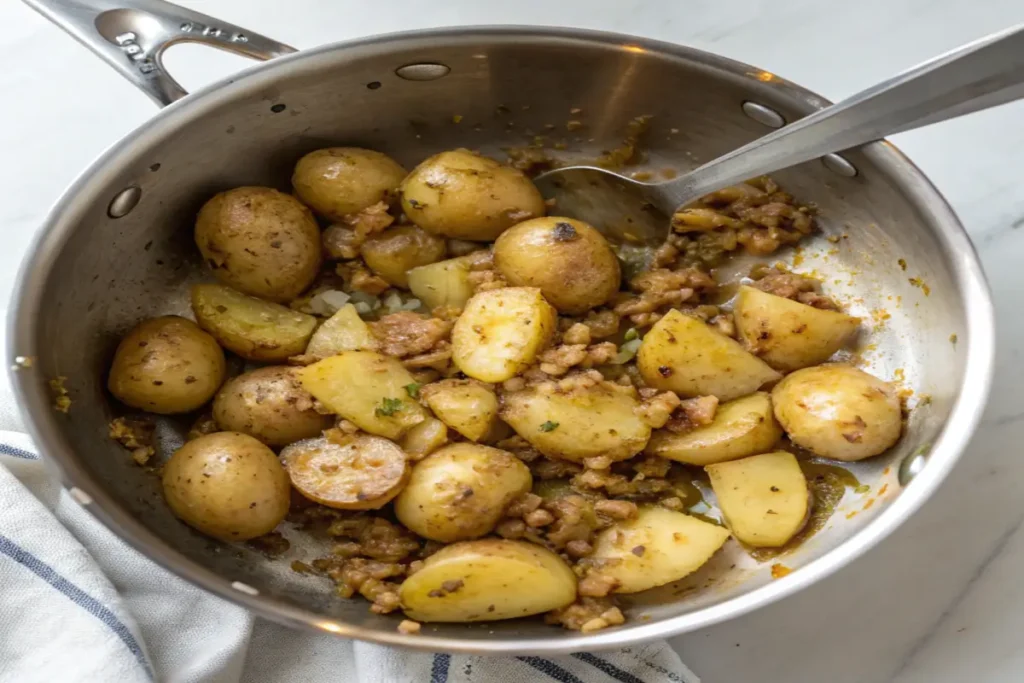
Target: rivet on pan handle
<point>131,36</point>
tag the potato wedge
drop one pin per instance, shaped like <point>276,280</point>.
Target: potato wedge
<point>343,331</point>
<point>659,546</point>
<point>468,407</point>
<point>787,334</point>
<point>501,331</point>
<point>764,498</point>
<point>487,580</point>
<point>252,328</point>
<point>685,355</point>
<point>364,474</point>
<point>367,388</point>
<point>742,427</point>
<point>578,424</point>
<point>424,438</point>
<point>445,283</point>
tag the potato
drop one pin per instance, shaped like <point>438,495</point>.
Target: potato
<point>578,424</point>
<point>363,474</point>
<point>659,546</point>
<point>227,485</point>
<point>252,328</point>
<point>424,438</point>
<point>571,262</point>
<point>501,331</point>
<point>445,283</point>
<point>367,388</point>
<point>166,365</point>
<point>741,427</point>
<point>838,411</point>
<point>787,334</point>
<point>468,407</point>
<point>487,580</point>
<point>259,241</point>
<point>685,355</point>
<point>270,405</point>
<point>339,181</point>
<point>395,251</point>
<point>466,196</point>
<point>343,331</point>
<point>461,491</point>
<point>764,498</point>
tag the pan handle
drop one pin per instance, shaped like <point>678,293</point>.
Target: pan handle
<point>131,36</point>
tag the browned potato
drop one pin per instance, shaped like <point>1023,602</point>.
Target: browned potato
<point>252,328</point>
<point>461,491</point>
<point>468,407</point>
<point>394,252</point>
<point>259,241</point>
<point>166,365</point>
<point>227,485</point>
<point>571,262</point>
<point>339,181</point>
<point>466,196</point>
<point>363,474</point>
<point>269,404</point>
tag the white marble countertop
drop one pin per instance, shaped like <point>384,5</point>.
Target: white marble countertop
<point>940,600</point>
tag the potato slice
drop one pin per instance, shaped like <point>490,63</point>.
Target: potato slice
<point>487,580</point>
<point>366,388</point>
<point>424,438</point>
<point>787,334</point>
<point>764,498</point>
<point>685,355</point>
<point>659,546</point>
<point>364,474</point>
<point>501,331</point>
<point>741,427</point>
<point>468,407</point>
<point>578,424</point>
<point>343,331</point>
<point>252,328</point>
<point>445,283</point>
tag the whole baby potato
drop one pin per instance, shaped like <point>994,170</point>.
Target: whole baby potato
<point>394,252</point>
<point>259,241</point>
<point>466,196</point>
<point>227,485</point>
<point>838,411</point>
<point>166,365</point>
<point>339,181</point>
<point>571,262</point>
<point>269,404</point>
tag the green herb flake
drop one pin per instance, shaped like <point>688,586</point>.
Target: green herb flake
<point>863,488</point>
<point>631,334</point>
<point>549,426</point>
<point>389,407</point>
<point>413,389</point>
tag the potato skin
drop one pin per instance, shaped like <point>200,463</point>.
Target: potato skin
<point>466,196</point>
<point>838,411</point>
<point>461,491</point>
<point>270,405</point>
<point>166,365</point>
<point>338,181</point>
<point>227,485</point>
<point>259,241</point>
<point>571,262</point>
<point>395,251</point>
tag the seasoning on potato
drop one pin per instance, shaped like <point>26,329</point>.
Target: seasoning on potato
<point>363,474</point>
<point>270,405</point>
<point>393,253</point>
<point>339,181</point>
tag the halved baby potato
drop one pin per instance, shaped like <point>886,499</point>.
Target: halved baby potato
<point>658,546</point>
<point>487,580</point>
<point>445,283</point>
<point>787,334</point>
<point>578,424</point>
<point>254,329</point>
<point>764,498</point>
<point>467,406</point>
<point>343,331</point>
<point>367,388</point>
<point>685,355</point>
<point>501,331</point>
<point>741,427</point>
<point>363,474</point>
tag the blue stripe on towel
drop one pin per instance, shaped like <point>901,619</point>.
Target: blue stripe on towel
<point>76,595</point>
<point>6,449</point>
<point>439,669</point>
<point>548,667</point>
<point>607,667</point>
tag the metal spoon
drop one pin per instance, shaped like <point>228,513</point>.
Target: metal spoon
<point>635,216</point>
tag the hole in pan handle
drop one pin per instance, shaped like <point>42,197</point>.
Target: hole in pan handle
<point>131,36</point>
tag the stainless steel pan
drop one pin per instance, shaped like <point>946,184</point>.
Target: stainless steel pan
<point>118,247</point>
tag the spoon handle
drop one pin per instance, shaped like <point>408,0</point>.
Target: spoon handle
<point>976,76</point>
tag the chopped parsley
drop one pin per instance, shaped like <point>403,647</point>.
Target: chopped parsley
<point>631,334</point>
<point>388,407</point>
<point>549,426</point>
<point>413,389</point>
